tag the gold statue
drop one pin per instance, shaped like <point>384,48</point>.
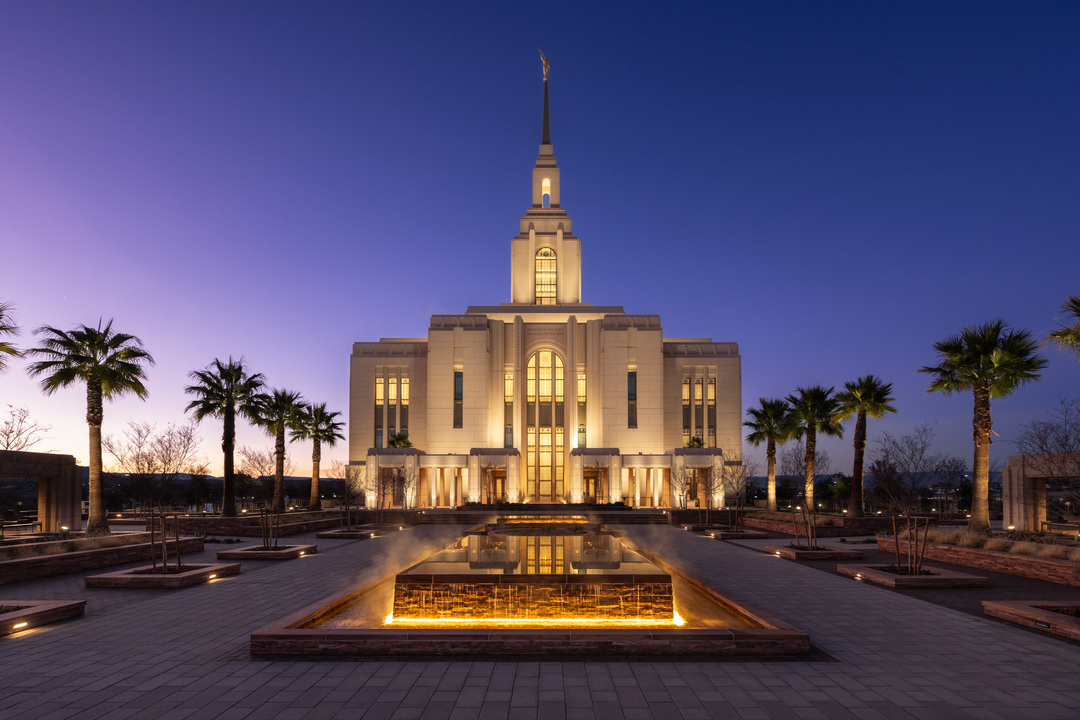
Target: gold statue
<point>546,66</point>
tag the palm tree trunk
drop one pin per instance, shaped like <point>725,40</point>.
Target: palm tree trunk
<point>980,491</point>
<point>228,446</point>
<point>279,469</point>
<point>808,479</point>
<point>855,506</point>
<point>97,523</point>
<point>316,457</point>
<point>770,454</point>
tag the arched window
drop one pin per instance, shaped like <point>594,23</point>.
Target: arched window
<point>545,191</point>
<point>544,430</point>
<point>545,276</point>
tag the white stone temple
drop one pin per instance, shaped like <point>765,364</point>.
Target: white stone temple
<point>546,399</point>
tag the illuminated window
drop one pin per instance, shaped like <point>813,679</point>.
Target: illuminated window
<point>699,409</point>
<point>380,402</point>
<point>545,276</point>
<point>391,405</point>
<point>712,412</point>
<point>508,410</point>
<point>545,387</point>
<point>582,413</point>
<point>545,188</point>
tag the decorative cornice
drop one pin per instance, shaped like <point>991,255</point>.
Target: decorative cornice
<point>621,322</point>
<point>692,349</point>
<point>392,349</point>
<point>468,322</point>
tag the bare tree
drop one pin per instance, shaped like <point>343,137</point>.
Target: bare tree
<point>680,483</point>
<point>261,464</point>
<point>904,468</point>
<point>793,462</point>
<point>154,460</point>
<point>1053,447</point>
<point>18,431</point>
<point>408,478</point>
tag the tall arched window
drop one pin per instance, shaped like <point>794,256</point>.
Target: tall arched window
<point>545,276</point>
<point>545,192</point>
<point>544,427</point>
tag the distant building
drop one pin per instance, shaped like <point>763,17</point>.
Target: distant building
<point>546,399</point>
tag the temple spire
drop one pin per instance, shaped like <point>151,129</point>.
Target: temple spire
<point>546,137</point>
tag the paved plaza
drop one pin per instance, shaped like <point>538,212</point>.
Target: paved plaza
<point>183,653</point>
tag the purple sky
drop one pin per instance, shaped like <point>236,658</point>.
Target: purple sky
<point>833,186</point>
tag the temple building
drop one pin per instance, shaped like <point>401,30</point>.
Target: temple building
<point>545,399</point>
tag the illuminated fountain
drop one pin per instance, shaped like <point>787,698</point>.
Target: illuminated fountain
<point>529,585</point>
<point>530,579</point>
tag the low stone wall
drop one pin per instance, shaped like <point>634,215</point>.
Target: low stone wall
<point>840,527</point>
<point>22,569</point>
<point>1064,572</point>
<point>53,547</point>
<point>248,525</point>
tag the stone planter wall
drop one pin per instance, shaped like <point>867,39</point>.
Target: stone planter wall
<point>1064,572</point>
<point>13,571</point>
<point>841,527</point>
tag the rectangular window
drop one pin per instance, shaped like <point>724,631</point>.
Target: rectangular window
<point>712,412</point>
<point>508,409</point>
<point>686,407</point>
<point>699,409</point>
<point>380,401</point>
<point>631,399</point>
<point>459,394</point>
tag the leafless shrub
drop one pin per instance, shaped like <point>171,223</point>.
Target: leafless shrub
<point>1024,548</point>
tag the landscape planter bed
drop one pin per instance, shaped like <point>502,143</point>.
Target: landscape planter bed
<point>361,532</point>
<point>32,568</point>
<point>256,552</point>
<point>932,577</point>
<point>1064,572</point>
<point>1029,614</point>
<point>790,553</point>
<point>139,578</point>
<point>34,613</point>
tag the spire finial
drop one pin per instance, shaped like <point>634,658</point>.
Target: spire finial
<point>546,137</point>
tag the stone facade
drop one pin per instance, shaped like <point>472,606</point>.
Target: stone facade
<point>545,399</point>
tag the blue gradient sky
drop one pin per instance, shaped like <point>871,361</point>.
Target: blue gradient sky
<point>835,186</point>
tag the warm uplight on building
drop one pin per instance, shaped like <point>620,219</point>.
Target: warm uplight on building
<point>213,576</point>
<point>18,626</point>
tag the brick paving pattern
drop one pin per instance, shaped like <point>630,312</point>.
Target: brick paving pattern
<point>183,653</point>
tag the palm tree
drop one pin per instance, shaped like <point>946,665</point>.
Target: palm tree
<point>399,440</point>
<point>866,397</point>
<point>813,411</point>
<point>320,427</point>
<point>111,364</point>
<point>771,425</point>
<point>1067,337</point>
<point>276,412</point>
<point>7,327</point>
<point>225,390</point>
<point>991,361</point>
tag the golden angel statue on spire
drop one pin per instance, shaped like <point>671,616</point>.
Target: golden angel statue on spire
<point>546,65</point>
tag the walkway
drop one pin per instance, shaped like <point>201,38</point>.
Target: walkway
<point>183,654</point>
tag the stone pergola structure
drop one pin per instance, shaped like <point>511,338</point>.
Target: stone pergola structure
<point>59,488</point>
<point>1023,482</point>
